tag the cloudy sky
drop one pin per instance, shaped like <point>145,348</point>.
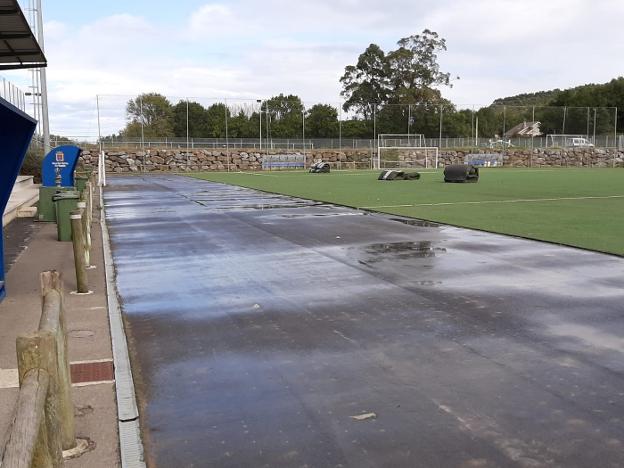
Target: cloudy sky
<point>249,49</point>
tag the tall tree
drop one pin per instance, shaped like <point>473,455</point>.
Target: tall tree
<point>150,113</point>
<point>285,115</point>
<point>197,122</point>
<point>215,119</point>
<point>365,84</point>
<point>322,121</point>
<point>414,71</point>
<point>389,82</point>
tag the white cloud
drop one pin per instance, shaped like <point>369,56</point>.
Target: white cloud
<point>250,49</point>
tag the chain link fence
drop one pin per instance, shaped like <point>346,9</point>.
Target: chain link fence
<point>286,123</point>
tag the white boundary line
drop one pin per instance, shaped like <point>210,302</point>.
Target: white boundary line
<point>483,202</point>
<point>92,361</point>
<point>95,382</point>
<point>130,443</point>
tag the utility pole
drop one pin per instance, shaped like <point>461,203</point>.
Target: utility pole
<point>45,123</point>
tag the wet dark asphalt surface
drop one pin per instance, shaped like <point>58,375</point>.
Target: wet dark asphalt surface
<point>17,235</point>
<point>261,324</point>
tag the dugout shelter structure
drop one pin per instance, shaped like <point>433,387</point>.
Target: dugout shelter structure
<point>19,49</point>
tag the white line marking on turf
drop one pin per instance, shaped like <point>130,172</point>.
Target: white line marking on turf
<point>482,202</point>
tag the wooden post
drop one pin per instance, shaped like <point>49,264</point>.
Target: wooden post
<point>53,321</point>
<point>86,229</point>
<point>89,200</point>
<point>82,285</point>
<point>38,352</point>
<point>28,445</point>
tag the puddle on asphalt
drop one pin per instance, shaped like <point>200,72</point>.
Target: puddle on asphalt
<point>256,206</point>
<point>319,215</point>
<point>401,251</point>
<point>415,222</point>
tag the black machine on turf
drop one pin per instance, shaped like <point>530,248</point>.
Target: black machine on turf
<point>461,173</point>
<point>319,167</point>
<point>391,174</point>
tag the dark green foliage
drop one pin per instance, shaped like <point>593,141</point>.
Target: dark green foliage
<point>32,163</point>
<point>322,121</point>
<point>390,93</point>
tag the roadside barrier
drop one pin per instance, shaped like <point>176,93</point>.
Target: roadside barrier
<point>80,250</point>
<point>43,422</point>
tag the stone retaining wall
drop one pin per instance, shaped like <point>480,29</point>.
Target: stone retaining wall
<point>249,160</point>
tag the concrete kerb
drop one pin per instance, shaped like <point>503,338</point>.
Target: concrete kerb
<point>131,445</point>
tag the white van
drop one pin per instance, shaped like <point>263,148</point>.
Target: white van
<point>580,143</point>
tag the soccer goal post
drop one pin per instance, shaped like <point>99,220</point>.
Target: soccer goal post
<point>395,151</point>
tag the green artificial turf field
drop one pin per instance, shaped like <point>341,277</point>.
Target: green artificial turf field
<point>578,207</point>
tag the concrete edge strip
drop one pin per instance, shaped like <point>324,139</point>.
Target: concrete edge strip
<point>131,445</point>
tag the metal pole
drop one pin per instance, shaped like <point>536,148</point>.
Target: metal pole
<point>142,123</point>
<point>101,168</point>
<point>303,135</point>
<point>260,120</point>
<point>44,84</point>
<point>409,120</point>
<point>187,125</point>
<point>564,120</point>
<point>472,127</point>
<point>266,128</point>
<point>227,141</point>
<point>533,123</point>
<point>340,128</point>
<point>440,135</point>
<point>504,122</point>
<point>615,130</point>
<point>587,130</point>
<point>375,136</point>
<point>594,142</point>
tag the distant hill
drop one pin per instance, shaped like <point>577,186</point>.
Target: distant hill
<point>609,94</point>
<point>540,98</point>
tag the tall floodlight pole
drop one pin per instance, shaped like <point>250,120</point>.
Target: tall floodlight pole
<point>45,123</point>
<point>472,127</point>
<point>142,123</point>
<point>615,129</point>
<point>303,135</point>
<point>259,101</point>
<point>340,127</point>
<point>101,156</point>
<point>227,141</point>
<point>266,116</point>
<point>440,136</point>
<point>187,125</point>
<point>375,136</point>
<point>504,122</point>
<point>533,123</point>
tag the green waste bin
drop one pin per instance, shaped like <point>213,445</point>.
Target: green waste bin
<point>65,203</point>
<point>45,209</point>
<point>80,182</point>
